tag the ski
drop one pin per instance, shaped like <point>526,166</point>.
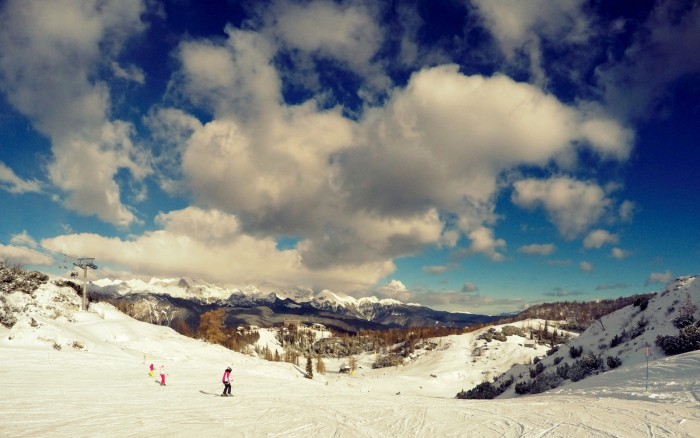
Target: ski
<point>213,393</point>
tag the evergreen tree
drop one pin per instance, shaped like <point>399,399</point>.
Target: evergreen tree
<point>309,368</point>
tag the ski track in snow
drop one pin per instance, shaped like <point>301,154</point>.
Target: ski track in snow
<point>81,394</point>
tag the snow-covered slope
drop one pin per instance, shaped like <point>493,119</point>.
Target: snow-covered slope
<point>66,372</point>
<point>628,334</point>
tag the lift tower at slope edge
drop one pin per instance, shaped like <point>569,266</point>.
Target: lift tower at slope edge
<point>85,263</point>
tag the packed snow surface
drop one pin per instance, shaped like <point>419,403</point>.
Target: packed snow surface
<point>97,384</point>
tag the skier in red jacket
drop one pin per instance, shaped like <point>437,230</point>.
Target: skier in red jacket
<point>226,380</point>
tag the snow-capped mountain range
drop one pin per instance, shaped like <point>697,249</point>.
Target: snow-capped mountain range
<point>294,301</point>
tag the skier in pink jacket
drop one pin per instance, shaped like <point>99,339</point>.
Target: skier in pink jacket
<point>226,380</point>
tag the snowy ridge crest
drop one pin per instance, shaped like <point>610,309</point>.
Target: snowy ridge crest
<point>248,295</point>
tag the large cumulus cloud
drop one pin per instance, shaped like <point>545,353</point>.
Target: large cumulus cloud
<point>50,54</point>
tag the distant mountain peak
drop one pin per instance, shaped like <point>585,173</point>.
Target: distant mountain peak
<point>386,312</point>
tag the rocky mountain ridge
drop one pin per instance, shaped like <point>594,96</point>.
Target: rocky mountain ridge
<point>188,298</point>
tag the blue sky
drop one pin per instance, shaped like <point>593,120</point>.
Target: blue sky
<point>475,156</point>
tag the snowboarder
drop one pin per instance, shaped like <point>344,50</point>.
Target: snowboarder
<point>162,375</point>
<point>152,370</point>
<point>226,380</point>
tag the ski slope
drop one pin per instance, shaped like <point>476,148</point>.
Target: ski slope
<point>97,384</point>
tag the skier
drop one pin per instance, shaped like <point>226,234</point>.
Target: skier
<point>226,380</point>
<point>162,375</point>
<point>152,370</point>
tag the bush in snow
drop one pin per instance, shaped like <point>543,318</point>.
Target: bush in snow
<point>613,362</point>
<point>558,359</point>
<point>687,314</point>
<point>641,302</point>
<point>7,317</point>
<point>563,370</point>
<point>552,350</point>
<point>67,283</point>
<point>545,382</point>
<point>16,279</point>
<point>522,388</point>
<point>683,321</point>
<point>510,330</point>
<point>688,339</point>
<point>483,391</point>
<point>534,372</point>
<point>387,360</point>
<point>487,335</point>
<point>486,390</point>
<point>575,352</point>
<point>618,339</point>
<point>585,366</point>
<point>492,334</point>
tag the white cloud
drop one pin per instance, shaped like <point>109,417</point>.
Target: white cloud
<point>445,138</point>
<point>561,292</point>
<point>346,32</point>
<point>12,183</point>
<point>659,277</point>
<point>619,254</point>
<point>209,244</point>
<point>236,77</point>
<point>273,165</point>
<point>586,266</point>
<point>627,210</point>
<point>396,290</point>
<point>24,250</point>
<point>612,286</point>
<point>607,137</point>
<point>469,288</point>
<point>170,130</point>
<point>664,49</point>
<point>522,25</point>
<point>598,238</point>
<point>368,190</point>
<point>51,52</point>
<point>573,206</point>
<point>435,269</point>
<point>12,254</point>
<point>483,242</point>
<point>516,22</point>
<point>468,298</point>
<point>129,73</point>
<point>537,249</point>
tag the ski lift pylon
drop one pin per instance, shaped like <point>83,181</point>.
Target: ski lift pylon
<point>64,265</point>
